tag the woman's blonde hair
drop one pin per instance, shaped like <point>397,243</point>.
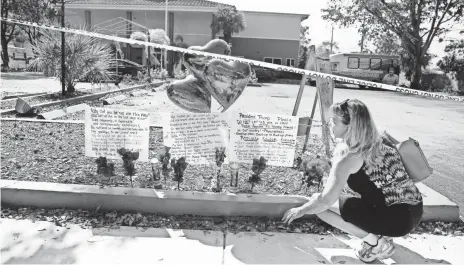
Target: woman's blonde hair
<point>362,137</point>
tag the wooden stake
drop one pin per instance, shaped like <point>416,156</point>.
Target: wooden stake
<point>308,129</point>
<point>313,59</point>
<point>325,88</point>
<point>309,64</point>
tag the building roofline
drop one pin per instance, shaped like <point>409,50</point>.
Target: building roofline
<point>275,13</point>
<point>140,7</point>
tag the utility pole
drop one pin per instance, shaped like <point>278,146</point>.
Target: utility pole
<point>63,64</point>
<point>363,32</point>
<point>148,49</point>
<point>332,40</point>
<point>166,31</point>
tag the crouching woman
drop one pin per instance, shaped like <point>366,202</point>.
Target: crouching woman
<point>390,205</point>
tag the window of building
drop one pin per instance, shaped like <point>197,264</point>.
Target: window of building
<point>353,62</point>
<point>268,59</point>
<point>273,60</point>
<point>386,62</point>
<point>375,63</point>
<point>290,62</point>
<point>364,63</point>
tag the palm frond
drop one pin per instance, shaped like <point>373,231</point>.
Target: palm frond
<point>83,55</point>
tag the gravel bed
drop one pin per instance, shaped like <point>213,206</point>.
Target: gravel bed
<point>113,220</point>
<point>55,152</point>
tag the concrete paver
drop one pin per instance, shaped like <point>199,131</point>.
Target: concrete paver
<point>24,241</point>
<point>44,243</point>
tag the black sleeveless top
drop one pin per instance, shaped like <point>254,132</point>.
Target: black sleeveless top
<point>388,183</point>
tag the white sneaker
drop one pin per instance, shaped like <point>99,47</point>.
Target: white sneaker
<point>383,250</point>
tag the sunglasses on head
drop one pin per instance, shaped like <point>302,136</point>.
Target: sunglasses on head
<point>344,108</point>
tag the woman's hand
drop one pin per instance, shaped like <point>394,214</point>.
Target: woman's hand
<point>292,214</point>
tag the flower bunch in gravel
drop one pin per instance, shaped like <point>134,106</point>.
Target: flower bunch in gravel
<point>128,157</point>
<point>313,170</point>
<point>179,167</point>
<point>258,166</point>
<point>104,167</point>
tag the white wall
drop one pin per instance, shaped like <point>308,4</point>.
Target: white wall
<point>272,26</point>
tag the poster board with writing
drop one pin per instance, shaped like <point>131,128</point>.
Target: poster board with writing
<point>159,119</point>
<point>196,136</point>
<point>253,135</point>
<point>107,130</point>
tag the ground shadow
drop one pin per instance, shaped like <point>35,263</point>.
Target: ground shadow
<point>23,76</point>
<point>45,246</point>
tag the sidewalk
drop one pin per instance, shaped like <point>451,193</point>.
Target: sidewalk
<point>43,242</point>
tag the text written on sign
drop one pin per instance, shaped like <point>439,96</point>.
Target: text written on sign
<point>253,135</point>
<point>195,136</point>
<point>107,130</point>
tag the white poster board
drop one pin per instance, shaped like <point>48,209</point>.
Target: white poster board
<point>107,130</point>
<point>253,135</point>
<point>195,136</point>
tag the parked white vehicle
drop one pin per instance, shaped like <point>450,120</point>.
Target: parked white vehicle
<point>369,67</point>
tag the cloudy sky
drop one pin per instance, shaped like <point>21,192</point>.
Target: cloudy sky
<point>347,38</point>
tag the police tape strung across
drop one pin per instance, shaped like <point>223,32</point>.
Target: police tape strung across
<point>242,60</point>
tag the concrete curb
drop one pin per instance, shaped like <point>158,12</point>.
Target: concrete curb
<point>87,97</point>
<point>113,100</point>
<point>55,195</point>
<point>24,96</point>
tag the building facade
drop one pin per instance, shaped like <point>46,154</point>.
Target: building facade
<point>270,37</point>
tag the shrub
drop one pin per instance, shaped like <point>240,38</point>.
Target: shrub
<point>265,75</point>
<point>435,81</point>
<point>86,58</point>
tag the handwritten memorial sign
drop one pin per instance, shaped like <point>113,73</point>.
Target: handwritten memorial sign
<point>255,135</point>
<point>107,130</point>
<point>158,119</point>
<point>196,135</point>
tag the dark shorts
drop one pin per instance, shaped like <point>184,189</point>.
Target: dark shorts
<point>392,221</point>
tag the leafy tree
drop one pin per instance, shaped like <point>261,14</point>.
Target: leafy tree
<point>38,11</point>
<point>86,58</point>
<point>453,62</point>
<point>228,20</point>
<point>323,49</point>
<point>305,41</point>
<point>8,31</point>
<point>416,23</point>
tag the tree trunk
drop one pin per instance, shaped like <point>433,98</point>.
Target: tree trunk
<point>417,76</point>
<point>70,90</point>
<point>5,57</point>
<point>70,85</point>
<point>227,37</point>
<point>460,81</point>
